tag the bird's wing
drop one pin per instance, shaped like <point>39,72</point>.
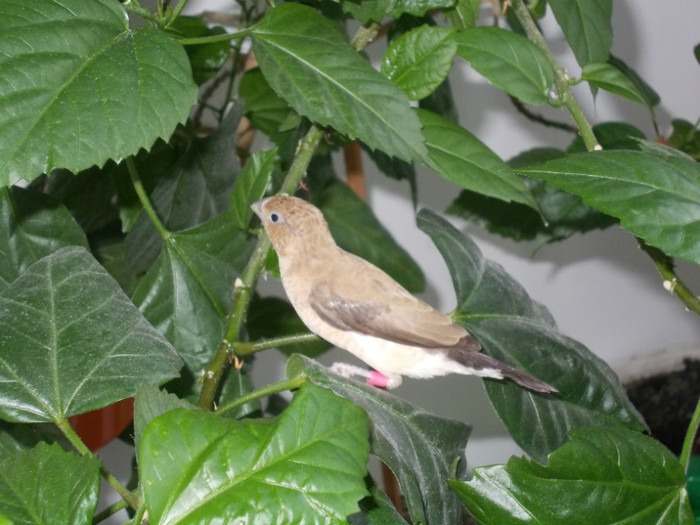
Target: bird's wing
<point>372,303</point>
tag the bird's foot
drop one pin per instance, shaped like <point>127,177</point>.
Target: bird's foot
<point>373,377</point>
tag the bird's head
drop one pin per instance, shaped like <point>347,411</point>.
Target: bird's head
<point>292,224</point>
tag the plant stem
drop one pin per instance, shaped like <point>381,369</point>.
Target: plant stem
<point>561,77</point>
<point>201,40</point>
<point>129,497</point>
<point>665,266</point>
<point>244,287</point>
<point>274,388</point>
<point>242,349</point>
<point>140,513</point>
<point>690,438</point>
<point>246,284</point>
<point>106,513</point>
<point>143,198</point>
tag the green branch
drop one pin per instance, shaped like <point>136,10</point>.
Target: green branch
<point>129,497</point>
<point>561,78</point>
<point>244,287</point>
<point>666,268</point>
<point>242,349</point>
<point>246,284</point>
<point>690,438</point>
<point>201,40</point>
<point>143,198</point>
<point>274,388</point>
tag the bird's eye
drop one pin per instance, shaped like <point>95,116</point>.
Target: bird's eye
<point>274,218</point>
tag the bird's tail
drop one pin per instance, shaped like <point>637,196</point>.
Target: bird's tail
<point>483,365</point>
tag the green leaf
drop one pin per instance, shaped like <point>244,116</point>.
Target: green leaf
<point>305,466</point>
<point>206,59</point>
<point>61,103</point>
<point>310,64</point>
<point>263,107</point>
<point>463,159</point>
<point>151,402</point>
<point>420,448</point>
<point>650,96</point>
<point>655,195</point>
<point>603,475</point>
<point>509,61</point>
<point>32,225</point>
<point>377,10</point>
<point>420,60</point>
<point>188,292</point>
<point>357,230</point>
<point>561,214</point>
<point>195,190</point>
<point>250,186</point>
<point>377,509</point>
<point>73,342</point>
<point>608,77</point>
<point>513,328</point>
<point>685,137</point>
<point>586,26</point>
<point>271,317</point>
<point>46,485</point>
<point>464,14</point>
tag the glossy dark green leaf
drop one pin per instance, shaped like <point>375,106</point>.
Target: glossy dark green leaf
<point>205,59</point>
<point>46,485</point>
<point>655,194</point>
<point>463,159</point>
<point>610,135</point>
<point>310,64</point>
<point>73,342</point>
<point>305,466</point>
<point>266,110</point>
<point>195,190</point>
<point>419,60</point>
<point>421,449</point>
<point>32,225</point>
<point>61,103</point>
<point>513,328</point>
<point>509,61</point>
<point>15,437</point>
<point>188,292</point>
<point>250,186</point>
<point>603,475</point>
<point>377,10</point>
<point>357,230</point>
<point>608,77</point>
<point>271,317</point>
<point>586,26</point>
<point>650,96</point>
<point>561,214</point>
<point>377,509</point>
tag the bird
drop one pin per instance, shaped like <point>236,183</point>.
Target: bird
<point>357,307</point>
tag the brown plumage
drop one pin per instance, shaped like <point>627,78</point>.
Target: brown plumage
<point>356,306</point>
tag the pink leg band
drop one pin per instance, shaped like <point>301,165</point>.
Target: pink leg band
<point>377,379</point>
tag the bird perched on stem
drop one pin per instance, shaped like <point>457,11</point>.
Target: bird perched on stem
<point>356,306</point>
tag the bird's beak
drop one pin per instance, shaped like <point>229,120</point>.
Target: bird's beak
<point>257,208</point>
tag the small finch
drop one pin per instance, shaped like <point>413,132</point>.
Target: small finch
<point>356,306</point>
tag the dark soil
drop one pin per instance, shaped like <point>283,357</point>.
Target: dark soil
<point>667,402</point>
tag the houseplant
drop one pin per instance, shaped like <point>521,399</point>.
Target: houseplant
<point>131,261</point>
